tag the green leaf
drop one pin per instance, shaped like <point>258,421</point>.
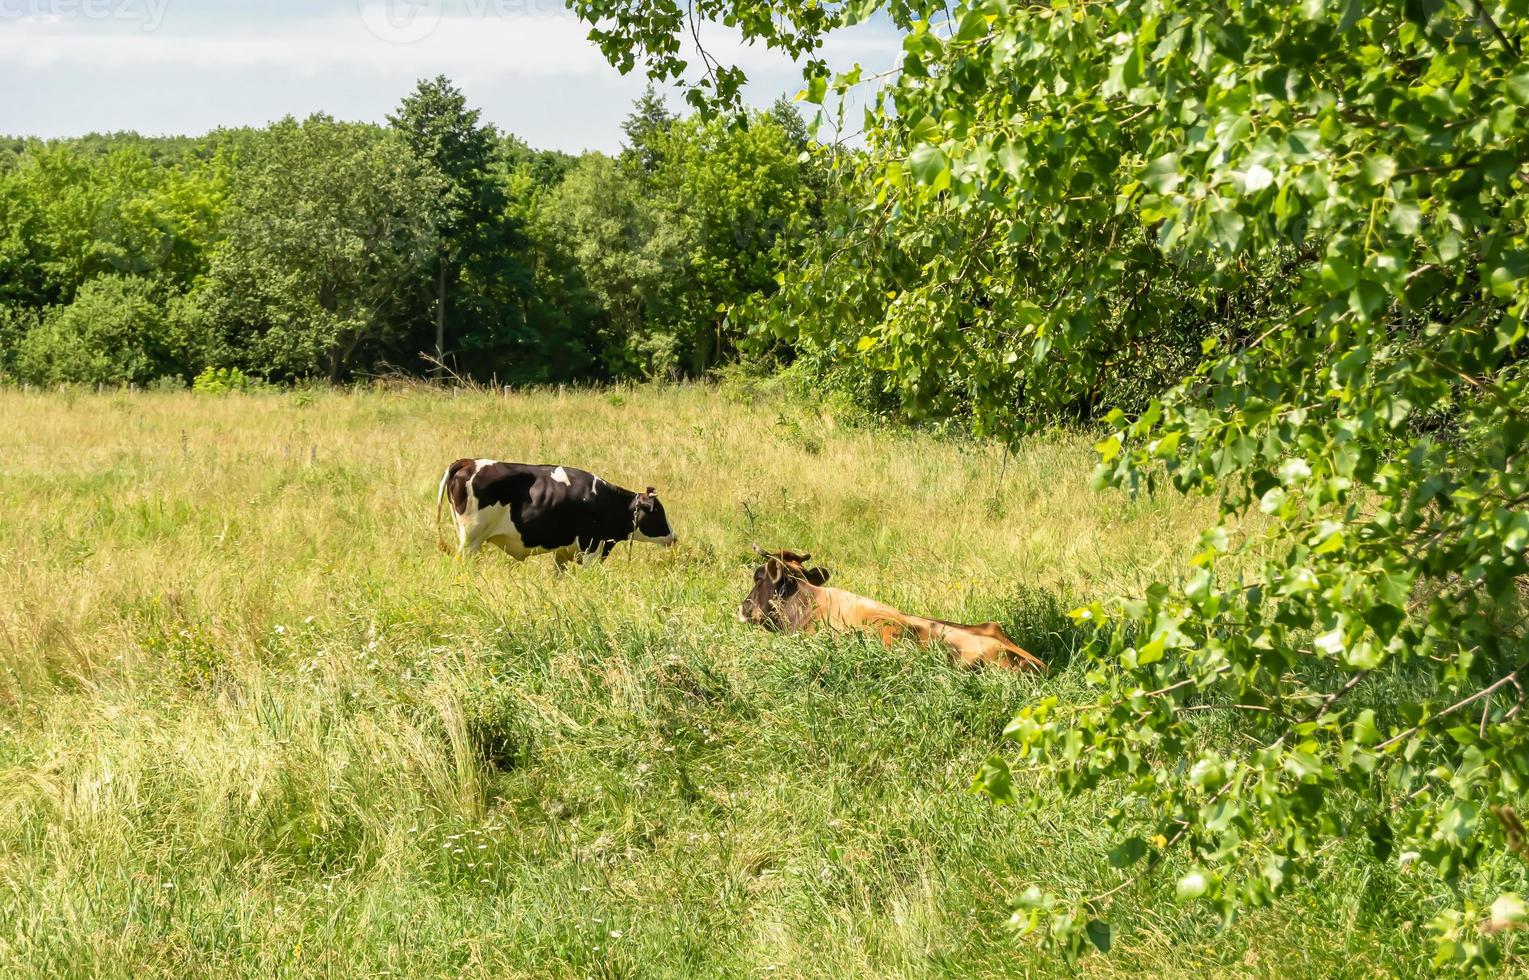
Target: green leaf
<point>1507,278</point>
<point>1328,536</point>
<point>995,780</point>
<point>1508,912</point>
<point>926,130</point>
<point>1379,169</point>
<point>1256,178</point>
<point>1363,655</point>
<point>929,164</point>
<point>1294,471</point>
<point>1339,274</point>
<point>1365,732</point>
<point>1192,886</point>
<point>1100,934</point>
<point>1421,11</point>
<point>1127,853</point>
<point>1406,217</point>
<point>1011,161</point>
<point>1516,532</point>
<point>1228,228</point>
<point>1303,765</point>
<point>1162,174</point>
<point>1208,773</point>
<point>973,25</point>
<point>1517,85</point>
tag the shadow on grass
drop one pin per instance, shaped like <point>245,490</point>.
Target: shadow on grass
<point>1038,620</point>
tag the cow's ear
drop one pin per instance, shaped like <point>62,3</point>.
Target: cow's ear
<point>775,570</point>
<point>817,576</point>
<point>652,492</point>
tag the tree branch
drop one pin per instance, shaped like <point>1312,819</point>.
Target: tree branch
<point>1486,18</point>
<point>1511,678</point>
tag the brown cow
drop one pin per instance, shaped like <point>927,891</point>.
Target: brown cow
<point>790,597</point>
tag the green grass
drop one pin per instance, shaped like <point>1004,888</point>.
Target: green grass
<point>253,723</point>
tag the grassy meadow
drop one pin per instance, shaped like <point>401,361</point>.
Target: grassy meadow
<point>253,723</point>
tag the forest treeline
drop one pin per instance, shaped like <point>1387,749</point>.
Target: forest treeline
<point>318,249</point>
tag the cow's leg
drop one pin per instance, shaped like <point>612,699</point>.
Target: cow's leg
<point>458,526</point>
<point>474,537</point>
<point>588,551</point>
<point>596,553</point>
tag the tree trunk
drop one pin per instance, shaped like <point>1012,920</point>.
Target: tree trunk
<point>440,319</point>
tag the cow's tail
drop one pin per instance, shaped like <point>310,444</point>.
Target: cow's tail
<point>440,498</point>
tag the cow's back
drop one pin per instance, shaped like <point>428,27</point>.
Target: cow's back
<point>511,485</point>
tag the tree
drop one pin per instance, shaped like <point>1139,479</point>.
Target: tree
<point>332,227</point>
<point>567,328</point>
<point>71,214</point>
<point>478,244</point>
<point>1345,185</point>
<point>158,220</point>
<point>53,206</point>
<point>16,322</point>
<point>669,247</point>
<point>23,279</point>
<point>645,128</point>
<point>598,222</point>
<point>115,331</point>
<point>737,199</point>
<point>545,168</point>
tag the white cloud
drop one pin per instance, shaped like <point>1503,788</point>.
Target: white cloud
<point>541,45</point>
<point>528,63</point>
<point>521,47</point>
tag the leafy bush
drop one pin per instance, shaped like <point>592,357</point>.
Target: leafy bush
<point>221,380</point>
<point>500,728</point>
<point>15,324</point>
<point>115,332</point>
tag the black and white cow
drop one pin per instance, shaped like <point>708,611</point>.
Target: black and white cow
<point>530,510</point>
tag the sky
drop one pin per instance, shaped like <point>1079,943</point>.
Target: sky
<point>70,67</point>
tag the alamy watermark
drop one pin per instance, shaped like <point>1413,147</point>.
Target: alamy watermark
<point>148,14</point>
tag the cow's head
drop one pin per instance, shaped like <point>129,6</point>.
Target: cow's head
<point>648,520</point>
<point>778,601</point>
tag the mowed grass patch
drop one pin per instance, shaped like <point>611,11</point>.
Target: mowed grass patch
<point>253,722</point>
